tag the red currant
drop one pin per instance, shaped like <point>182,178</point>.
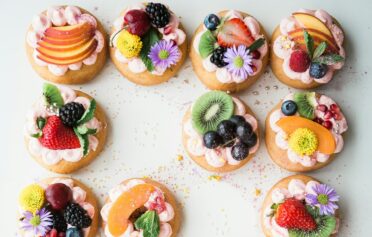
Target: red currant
<point>318,120</point>
<point>328,115</point>
<point>335,108</point>
<point>327,124</point>
<point>322,108</point>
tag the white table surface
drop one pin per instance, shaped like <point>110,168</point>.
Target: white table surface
<point>145,133</point>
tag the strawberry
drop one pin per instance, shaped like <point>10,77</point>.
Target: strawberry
<point>234,32</point>
<point>299,61</point>
<point>57,136</point>
<point>292,214</point>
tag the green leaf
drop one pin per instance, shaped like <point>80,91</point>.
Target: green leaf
<point>149,223</point>
<point>37,135</point>
<point>148,40</point>
<point>256,44</point>
<point>84,141</point>
<point>89,113</point>
<point>84,130</point>
<point>52,95</point>
<point>329,59</point>
<point>206,45</point>
<point>309,43</point>
<point>40,121</point>
<point>320,49</point>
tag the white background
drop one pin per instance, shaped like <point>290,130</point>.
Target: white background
<point>145,132</point>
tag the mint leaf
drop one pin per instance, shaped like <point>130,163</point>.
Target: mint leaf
<point>37,135</point>
<point>329,59</point>
<point>84,130</point>
<point>320,49</point>
<point>309,43</point>
<point>206,44</point>
<point>52,95</point>
<point>40,122</point>
<point>256,44</point>
<point>149,223</point>
<point>84,141</point>
<point>89,113</point>
<point>148,40</point>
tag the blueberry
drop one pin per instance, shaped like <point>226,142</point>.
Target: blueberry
<point>244,131</point>
<point>211,22</point>
<point>212,140</point>
<point>289,107</point>
<point>240,151</point>
<point>237,119</point>
<point>251,141</point>
<point>73,232</point>
<point>318,70</point>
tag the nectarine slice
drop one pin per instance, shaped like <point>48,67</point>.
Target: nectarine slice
<point>312,22</point>
<point>298,36</point>
<point>63,47</point>
<point>64,32</point>
<point>71,40</point>
<point>326,141</point>
<point>125,205</point>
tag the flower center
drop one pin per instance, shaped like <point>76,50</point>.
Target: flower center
<point>163,54</point>
<point>35,220</point>
<point>323,199</point>
<point>303,142</point>
<point>238,62</point>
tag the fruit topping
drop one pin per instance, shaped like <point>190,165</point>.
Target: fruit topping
<point>32,198</point>
<point>77,216</point>
<point>255,54</point>
<point>74,232</point>
<point>226,129</point>
<point>334,108</point>
<point>322,108</point>
<point>237,119</point>
<point>303,142</point>
<point>211,22</point>
<point>138,22</point>
<point>218,56</point>
<point>129,45</point>
<point>57,136</point>
<point>318,70</point>
<point>289,107</point>
<point>327,124</point>
<point>210,109</point>
<point>299,61</point>
<point>52,95</point>
<point>59,222</point>
<point>306,102</point>
<point>158,205</point>
<point>207,44</point>
<point>244,131</point>
<point>326,141</point>
<point>58,195</point>
<point>292,214</point>
<point>212,140</point>
<point>240,151</point>
<point>52,233</point>
<point>234,32</point>
<point>71,113</point>
<point>158,13</point>
<point>251,141</point>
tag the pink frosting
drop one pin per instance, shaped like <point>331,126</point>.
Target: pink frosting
<point>52,157</point>
<point>283,46</point>
<point>61,16</point>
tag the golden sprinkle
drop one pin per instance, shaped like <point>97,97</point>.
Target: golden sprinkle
<point>215,177</point>
<point>257,192</point>
<point>179,157</point>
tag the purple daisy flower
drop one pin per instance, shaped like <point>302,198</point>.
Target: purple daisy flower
<point>325,198</point>
<point>164,54</point>
<point>239,62</point>
<point>40,222</point>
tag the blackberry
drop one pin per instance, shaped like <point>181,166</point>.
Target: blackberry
<point>76,216</point>
<point>59,222</point>
<point>217,57</point>
<point>158,13</point>
<point>70,113</point>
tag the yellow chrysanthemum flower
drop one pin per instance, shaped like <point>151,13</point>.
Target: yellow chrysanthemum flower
<point>128,44</point>
<point>303,141</point>
<point>32,198</point>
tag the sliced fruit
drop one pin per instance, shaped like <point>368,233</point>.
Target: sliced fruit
<point>125,205</point>
<point>206,45</point>
<point>306,104</point>
<point>312,22</point>
<point>52,95</point>
<point>211,109</point>
<point>326,141</point>
<point>72,40</point>
<point>234,32</point>
<point>297,35</point>
<point>70,31</point>
<point>63,47</point>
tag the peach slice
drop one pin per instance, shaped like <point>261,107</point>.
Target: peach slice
<point>62,47</point>
<point>65,32</point>
<point>311,22</point>
<point>125,205</point>
<point>298,36</point>
<point>326,141</point>
<point>71,40</point>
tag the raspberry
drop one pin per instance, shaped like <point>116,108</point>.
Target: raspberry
<point>299,61</point>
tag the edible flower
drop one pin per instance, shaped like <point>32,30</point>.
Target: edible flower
<point>39,223</point>
<point>164,54</point>
<point>239,62</point>
<point>129,45</point>
<point>325,198</point>
<point>303,141</point>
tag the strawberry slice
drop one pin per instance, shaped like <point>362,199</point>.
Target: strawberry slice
<point>292,214</point>
<point>57,136</point>
<point>234,32</point>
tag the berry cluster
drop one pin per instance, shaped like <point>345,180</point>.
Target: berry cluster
<point>236,133</point>
<point>331,112</point>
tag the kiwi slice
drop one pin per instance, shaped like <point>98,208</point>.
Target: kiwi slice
<point>210,109</point>
<point>325,225</point>
<point>306,104</point>
<point>52,95</point>
<point>206,45</point>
